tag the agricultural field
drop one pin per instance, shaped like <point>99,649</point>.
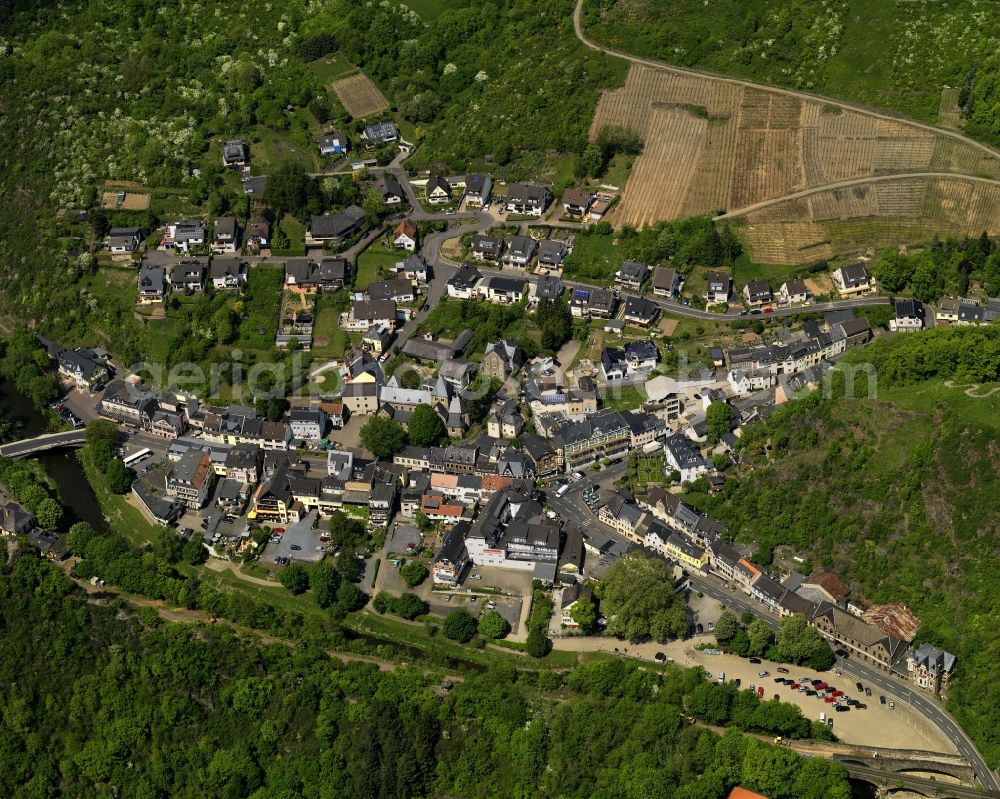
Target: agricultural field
<point>360,97</point>
<point>712,144</point>
<point>134,201</point>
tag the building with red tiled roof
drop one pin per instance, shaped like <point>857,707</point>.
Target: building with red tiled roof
<point>743,793</point>
<point>824,586</point>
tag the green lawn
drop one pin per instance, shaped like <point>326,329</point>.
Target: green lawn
<point>296,232</point>
<point>622,398</point>
<point>332,67</point>
<point>277,147</point>
<point>374,261</point>
<point>124,517</point>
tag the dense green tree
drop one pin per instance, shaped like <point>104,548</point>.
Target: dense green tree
<point>408,606</point>
<point>726,626</point>
<point>413,573</point>
<point>49,513</point>
<point>383,437</point>
<point>493,625</point>
<point>719,419</point>
<point>425,427</point>
<point>638,600</point>
<point>118,476</point>
<point>460,626</point>
<point>759,635</point>
<point>346,531</point>
<point>324,581</point>
<point>294,578</point>
<point>194,551</point>
<point>584,613</point>
<point>537,644</point>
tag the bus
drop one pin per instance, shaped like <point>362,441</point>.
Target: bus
<point>562,490</point>
<point>136,457</point>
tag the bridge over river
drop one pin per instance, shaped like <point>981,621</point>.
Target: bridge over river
<point>29,447</point>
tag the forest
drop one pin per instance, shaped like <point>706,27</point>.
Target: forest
<point>897,493</point>
<point>100,701</point>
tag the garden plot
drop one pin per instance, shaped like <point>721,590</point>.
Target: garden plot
<point>360,97</point>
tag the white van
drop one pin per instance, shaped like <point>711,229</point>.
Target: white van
<point>562,490</point>
<point>822,718</point>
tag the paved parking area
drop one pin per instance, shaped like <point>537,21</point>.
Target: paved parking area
<point>402,536</point>
<point>703,610</point>
<point>509,581</point>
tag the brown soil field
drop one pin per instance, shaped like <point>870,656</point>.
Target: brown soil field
<point>711,144</point>
<point>359,96</point>
<point>133,201</point>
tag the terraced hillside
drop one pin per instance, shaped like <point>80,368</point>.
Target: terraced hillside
<point>713,144</point>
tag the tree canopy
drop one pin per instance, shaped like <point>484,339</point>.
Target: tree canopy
<point>639,602</point>
<point>383,437</point>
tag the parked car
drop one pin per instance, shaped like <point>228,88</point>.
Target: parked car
<point>447,597</point>
<point>659,657</point>
<point>868,691</point>
<point>861,706</point>
<point>738,682</point>
<point>763,674</point>
<point>755,660</point>
<point>830,700</point>
<point>881,699</point>
<point>794,686</point>
<point>474,599</point>
<point>295,548</point>
<point>782,670</point>
<point>829,721</point>
<point>892,706</point>
<point>843,708</point>
<point>279,529</point>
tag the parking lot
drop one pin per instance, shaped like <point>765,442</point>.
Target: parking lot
<point>403,539</point>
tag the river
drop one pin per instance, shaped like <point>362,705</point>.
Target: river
<point>63,467</point>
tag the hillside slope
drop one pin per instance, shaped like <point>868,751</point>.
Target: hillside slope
<point>900,496</point>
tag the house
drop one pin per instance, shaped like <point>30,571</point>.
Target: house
<point>641,356</point>
<point>331,274</point>
<point>128,404</point>
<point>50,545</point>
<point>592,303</point>
<point>437,190</point>
<point>388,187</point>
<point>551,252</point>
<point>969,313</point>
<point>258,233</point>
<point>600,207</point>
<point>152,287</point>
<point>793,292</point>
<point>457,374</point>
<point>405,236</point>
<point>361,399</point>
<point>824,586</point>
<point>598,436</point>
<point>503,290</point>
<point>190,479</point>
<point>228,273</point>
<point>380,133</point>
<point>225,235</point>
<point>308,424</point>
<point>572,596</point>
<point>632,275</point>
<point>547,461</point>
<point>451,559</point>
<point>505,421</point>
<point>335,413</point>
<point>187,276</point>
<point>15,520</point>
<point>722,558</point>
<point>640,312</point>
<point>512,532</point>
<point>947,309</point>
<point>486,248</point>
<point>369,313</point>
<point>549,287</point>
<point>124,240</point>
<point>909,316</point>
<point>83,367</point>
<point>854,332</point>
<point>520,251</point>
<point>576,202</point>
<point>613,366</point>
<point>478,189</point>
<point>717,290</point>
<point>503,358</point>
<point>768,592</point>
<point>333,143</point>
<point>399,289</point>
<point>184,236</point>
<point>666,282</point>
<point>378,338</point>
<point>413,268</point>
<point>682,455</point>
<point>528,199</point>
<point>757,293</point>
<point>930,667</point>
<point>683,550</point>
<point>864,642</point>
<point>243,463</point>
<point>852,279</point>
<point>382,503</point>
<point>337,227</point>
<point>235,154</point>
